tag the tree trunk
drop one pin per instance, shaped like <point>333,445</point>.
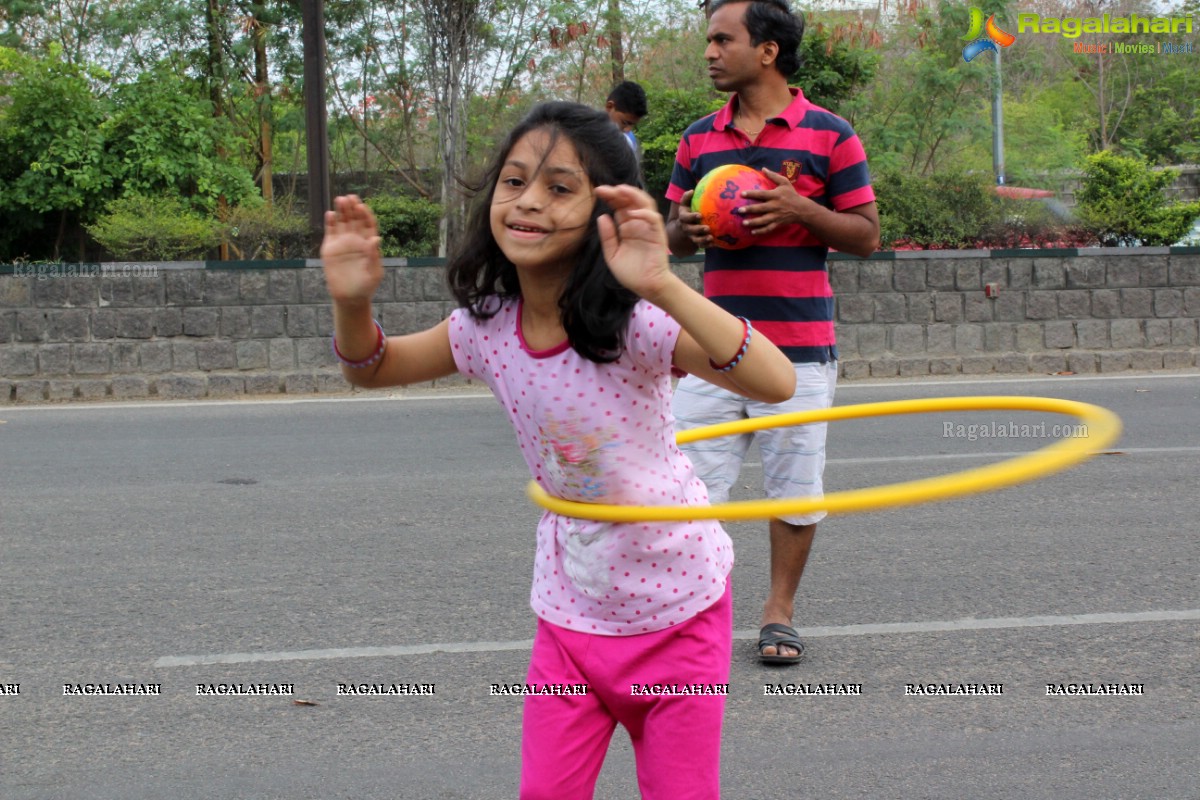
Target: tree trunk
<point>615,43</point>
<point>216,82</point>
<point>453,27</point>
<point>451,134</point>
<point>262,90</point>
<point>316,131</point>
<point>213,76</point>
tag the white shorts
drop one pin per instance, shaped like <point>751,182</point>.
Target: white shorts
<point>793,458</point>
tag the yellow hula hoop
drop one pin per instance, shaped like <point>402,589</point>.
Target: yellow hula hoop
<point>1102,426</point>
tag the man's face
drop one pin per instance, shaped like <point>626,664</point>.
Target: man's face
<point>733,61</point>
<point>624,120</point>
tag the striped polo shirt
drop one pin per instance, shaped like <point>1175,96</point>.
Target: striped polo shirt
<point>781,285</point>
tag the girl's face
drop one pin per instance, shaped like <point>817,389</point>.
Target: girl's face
<point>542,203</point>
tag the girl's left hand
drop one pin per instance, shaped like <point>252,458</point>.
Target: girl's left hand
<point>634,240</point>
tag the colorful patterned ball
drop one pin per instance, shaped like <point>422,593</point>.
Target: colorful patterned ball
<point>717,196</point>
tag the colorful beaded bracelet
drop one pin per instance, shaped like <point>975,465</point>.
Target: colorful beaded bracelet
<point>737,359</point>
<point>378,354</point>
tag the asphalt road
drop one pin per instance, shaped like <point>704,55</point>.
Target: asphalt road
<point>389,541</point>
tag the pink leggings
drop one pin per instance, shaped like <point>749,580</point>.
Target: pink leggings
<point>676,739</point>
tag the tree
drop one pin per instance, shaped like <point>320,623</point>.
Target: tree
<point>1111,79</point>
<point>53,162</point>
<point>925,109</point>
<point>614,23</point>
<point>457,33</point>
<point>65,150</point>
<point>1163,124</point>
<point>462,40</point>
<point>259,21</point>
<point>1040,144</point>
<point>68,25</point>
<point>377,78</point>
<point>1123,199</point>
<point>165,140</point>
<point>15,18</point>
<point>835,65</point>
<point>665,52</point>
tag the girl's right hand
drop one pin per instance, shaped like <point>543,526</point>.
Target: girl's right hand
<point>350,251</point>
<point>634,240</point>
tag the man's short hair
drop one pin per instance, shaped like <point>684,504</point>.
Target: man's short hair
<point>773,21</point>
<point>630,98</point>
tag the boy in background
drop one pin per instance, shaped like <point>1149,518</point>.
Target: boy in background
<point>626,105</point>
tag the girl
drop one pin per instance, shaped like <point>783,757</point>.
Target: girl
<point>570,313</point>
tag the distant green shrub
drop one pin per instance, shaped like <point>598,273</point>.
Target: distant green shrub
<point>408,226</point>
<point>943,210</point>
<point>139,228</point>
<point>1123,201</point>
<point>259,231</point>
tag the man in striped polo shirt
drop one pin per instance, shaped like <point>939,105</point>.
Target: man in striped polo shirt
<point>823,199</point>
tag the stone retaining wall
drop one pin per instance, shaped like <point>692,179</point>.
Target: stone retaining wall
<point>1100,310</point>
<point>223,330</point>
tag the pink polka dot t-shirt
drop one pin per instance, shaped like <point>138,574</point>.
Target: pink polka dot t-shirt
<point>602,433</point>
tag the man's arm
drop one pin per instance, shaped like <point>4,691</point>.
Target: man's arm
<point>855,230</point>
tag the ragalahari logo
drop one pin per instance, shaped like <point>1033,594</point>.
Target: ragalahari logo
<point>992,35</point>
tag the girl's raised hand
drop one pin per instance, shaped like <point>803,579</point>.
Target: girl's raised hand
<point>634,240</point>
<point>350,251</point>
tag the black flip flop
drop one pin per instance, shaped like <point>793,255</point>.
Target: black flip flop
<point>774,635</point>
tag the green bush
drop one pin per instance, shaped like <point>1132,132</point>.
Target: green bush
<point>54,170</point>
<point>271,232</point>
<point>162,138</point>
<point>943,210</point>
<point>139,228</point>
<point>407,225</point>
<point>1123,201</point>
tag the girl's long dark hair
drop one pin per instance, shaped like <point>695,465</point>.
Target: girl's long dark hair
<point>595,306</point>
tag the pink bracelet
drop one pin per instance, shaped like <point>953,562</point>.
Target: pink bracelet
<point>737,359</point>
<point>378,354</point>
